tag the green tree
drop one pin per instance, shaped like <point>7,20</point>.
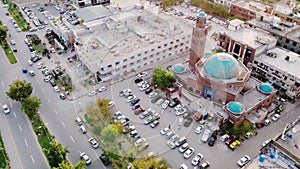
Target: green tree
<point>152,162</point>
<point>31,106</point>
<point>3,33</point>
<point>80,165</point>
<point>162,77</point>
<point>19,90</point>
<point>55,154</point>
<point>110,133</point>
<point>64,165</point>
<point>104,109</point>
<point>240,17</point>
<point>168,3</point>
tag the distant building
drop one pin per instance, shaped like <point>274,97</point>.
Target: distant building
<point>85,3</point>
<point>226,3</point>
<point>287,12</point>
<point>248,9</point>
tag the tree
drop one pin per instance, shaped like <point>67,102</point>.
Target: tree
<point>162,77</point>
<point>64,165</point>
<point>152,162</point>
<point>30,106</point>
<point>104,109</point>
<point>80,165</point>
<point>240,17</point>
<point>110,133</point>
<point>56,154</point>
<point>19,90</point>
<point>3,31</point>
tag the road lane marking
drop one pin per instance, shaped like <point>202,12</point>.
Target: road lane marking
<point>43,90</point>
<point>15,115</point>
<point>25,142</point>
<point>2,84</point>
<point>55,111</point>
<point>49,100</point>
<point>63,123</point>
<point>20,128</point>
<point>32,159</point>
<point>71,138</point>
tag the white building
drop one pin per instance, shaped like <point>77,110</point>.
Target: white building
<point>126,41</point>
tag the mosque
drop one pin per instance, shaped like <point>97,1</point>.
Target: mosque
<point>223,79</point>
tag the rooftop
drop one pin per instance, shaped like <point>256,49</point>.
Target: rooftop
<point>92,13</point>
<point>254,6</point>
<point>280,63</point>
<point>254,38</point>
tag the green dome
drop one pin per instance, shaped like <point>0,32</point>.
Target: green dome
<point>202,14</point>
<point>265,87</point>
<point>222,66</point>
<point>235,107</point>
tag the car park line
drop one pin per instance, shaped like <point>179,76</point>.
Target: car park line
<point>63,123</point>
<point>32,159</point>
<point>25,142</point>
<point>20,128</point>
<point>15,115</point>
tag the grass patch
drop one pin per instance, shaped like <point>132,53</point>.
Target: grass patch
<point>39,48</point>
<point>17,15</point>
<point>4,161</point>
<point>9,53</point>
<point>42,133</point>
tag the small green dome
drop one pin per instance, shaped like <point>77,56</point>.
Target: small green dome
<point>235,107</point>
<point>265,87</point>
<point>222,66</point>
<point>202,14</point>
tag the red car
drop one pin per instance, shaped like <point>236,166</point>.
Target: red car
<point>229,141</point>
<point>139,110</point>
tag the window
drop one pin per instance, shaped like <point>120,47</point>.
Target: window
<point>287,41</point>
<point>117,63</point>
<point>138,61</point>
<point>139,54</point>
<point>170,49</point>
<point>109,66</point>
<point>165,44</point>
<point>145,58</point>
<point>164,56</point>
<point>248,53</point>
<point>152,49</point>
<point>176,46</point>
<point>171,42</point>
<point>157,53</point>
<point>151,56</point>
<point>294,43</point>
<point>132,57</point>
<point>177,40</point>
<point>157,58</point>
<point>124,66</point>
<point>236,49</point>
<point>102,68</point>
<point>131,63</point>
<point>125,60</point>
<point>159,47</point>
<point>146,52</point>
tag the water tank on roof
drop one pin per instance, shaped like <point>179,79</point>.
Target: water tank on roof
<point>275,19</point>
<point>261,158</point>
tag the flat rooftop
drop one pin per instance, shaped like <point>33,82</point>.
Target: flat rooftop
<point>254,38</point>
<point>124,4</point>
<point>92,13</point>
<point>291,67</point>
<point>253,6</point>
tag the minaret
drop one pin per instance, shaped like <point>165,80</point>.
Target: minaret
<point>198,39</point>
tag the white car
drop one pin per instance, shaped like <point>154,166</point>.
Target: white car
<point>244,160</point>
<point>165,104</point>
<point>275,117</point>
<point>102,89</point>
<point>180,121</point>
<point>111,104</point>
<point>164,131</point>
<point>179,106</point>
<point>30,63</point>
<point>5,109</point>
<point>142,74</point>
<point>82,129</point>
<point>139,142</point>
<point>144,87</point>
<point>93,143</point>
<point>159,102</point>
<point>183,148</point>
<point>130,98</point>
<point>12,42</point>
<point>40,65</point>
<point>47,78</point>
<point>152,94</point>
<point>224,137</point>
<point>92,93</point>
<point>86,158</point>
<point>142,83</point>
<point>197,159</point>
<point>180,111</point>
<point>56,88</point>
<point>189,152</point>
<point>205,135</point>
<point>199,129</point>
<point>265,142</point>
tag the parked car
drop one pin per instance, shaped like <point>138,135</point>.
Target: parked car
<point>189,152</point>
<point>130,98</point>
<point>93,143</point>
<point>183,166</point>
<point>139,142</point>
<point>78,121</point>
<point>150,119</point>
<point>154,123</point>
<point>144,114</point>
<point>148,91</point>
<point>24,70</point>
<point>266,122</point>
<point>144,87</point>
<point>248,135</point>
<point>234,144</point>
<point>138,80</point>
<point>31,73</point>
<point>102,89</point>
<point>62,96</point>
<point>57,89</point>
<point>244,160</point>
<point>159,102</point>
<point>152,94</point>
<point>180,111</point>
<point>86,158</point>
<point>171,144</point>
<point>111,104</point>
<point>180,141</point>
<point>199,129</point>
<point>224,137</point>
<point>5,109</point>
<point>170,134</point>
<point>266,142</point>
<point>92,93</point>
<point>82,129</point>
<point>212,140</point>
<point>104,160</point>
<point>174,102</point>
<point>188,122</point>
<point>205,135</point>
<point>179,106</point>
<point>197,159</point>
<point>165,104</point>
<point>275,117</point>
<point>180,121</point>
<point>134,101</point>
<point>229,141</point>
<point>174,138</point>
<point>183,147</point>
<point>139,110</point>
<point>204,165</point>
<point>143,147</point>
<point>142,74</point>
<point>164,131</point>
<point>134,107</point>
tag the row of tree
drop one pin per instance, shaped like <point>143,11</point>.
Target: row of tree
<point>56,154</point>
<point>211,8</point>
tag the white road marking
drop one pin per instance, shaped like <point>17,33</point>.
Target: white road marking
<point>43,90</point>
<point>2,84</point>
<point>15,115</point>
<point>55,111</point>
<point>32,159</point>
<point>49,100</point>
<point>72,138</point>
<point>25,142</point>
<point>20,128</point>
<point>63,123</point>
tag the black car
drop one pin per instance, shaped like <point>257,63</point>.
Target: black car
<point>149,90</point>
<point>62,96</point>
<point>174,102</point>
<point>138,80</point>
<point>24,70</point>
<point>135,106</point>
<point>134,101</point>
<point>52,82</point>
<point>188,122</point>
<point>212,140</point>
<point>104,159</point>
<point>35,59</point>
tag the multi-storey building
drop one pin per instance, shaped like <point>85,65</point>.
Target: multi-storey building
<point>124,42</point>
<point>287,12</point>
<point>226,3</point>
<point>248,10</point>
